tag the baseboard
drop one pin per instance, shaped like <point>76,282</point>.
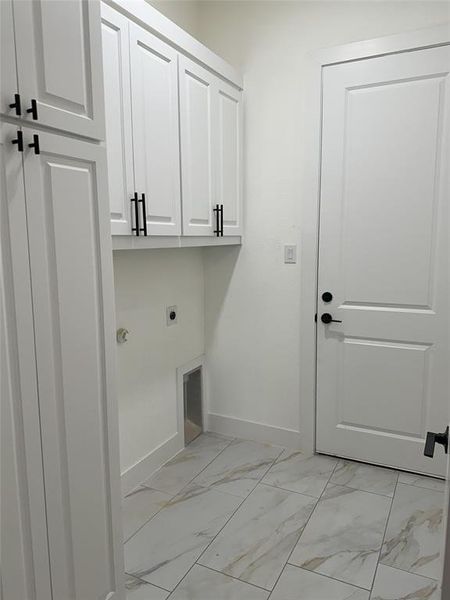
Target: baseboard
<point>253,431</point>
<point>143,469</point>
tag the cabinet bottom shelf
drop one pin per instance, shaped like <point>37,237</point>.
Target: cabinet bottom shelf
<point>129,242</point>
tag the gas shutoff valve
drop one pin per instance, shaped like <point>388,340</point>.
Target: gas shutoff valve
<point>121,335</point>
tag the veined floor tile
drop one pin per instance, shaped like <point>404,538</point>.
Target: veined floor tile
<point>392,584</point>
<point>167,546</point>
<point>188,463</point>
<point>430,483</point>
<point>203,584</point>
<point>139,506</point>
<point>297,472</point>
<point>344,535</point>
<point>239,467</point>
<point>298,584</point>
<point>365,477</point>
<point>414,533</point>
<point>255,544</point>
<point>141,590</point>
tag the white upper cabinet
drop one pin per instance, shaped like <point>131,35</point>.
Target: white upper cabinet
<point>173,132</point>
<point>198,115</point>
<point>229,140</point>
<point>119,143</point>
<point>210,133</point>
<point>58,48</point>
<point>154,82</point>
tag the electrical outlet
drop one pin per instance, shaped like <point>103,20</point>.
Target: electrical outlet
<point>171,315</point>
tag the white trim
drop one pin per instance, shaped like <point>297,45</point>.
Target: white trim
<point>145,468</point>
<point>151,19</point>
<point>414,40</point>
<point>401,42</point>
<point>192,365</point>
<point>249,430</point>
<point>131,242</point>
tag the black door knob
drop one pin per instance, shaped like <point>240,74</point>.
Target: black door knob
<point>327,318</point>
<point>327,296</point>
<point>433,439</point>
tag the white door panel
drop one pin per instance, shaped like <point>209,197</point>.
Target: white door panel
<point>60,63</point>
<point>382,373</point>
<point>198,118</point>
<point>71,270</point>
<point>119,143</point>
<point>23,544</point>
<point>229,140</point>
<point>154,86</point>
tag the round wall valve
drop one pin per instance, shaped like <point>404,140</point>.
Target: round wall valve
<point>121,335</point>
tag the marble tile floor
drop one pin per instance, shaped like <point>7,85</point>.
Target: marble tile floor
<point>230,519</point>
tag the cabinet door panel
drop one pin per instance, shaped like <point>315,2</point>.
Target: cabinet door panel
<point>8,73</point>
<point>71,267</point>
<point>119,145</point>
<point>23,539</point>
<point>229,177</point>
<point>198,117</point>
<point>154,89</point>
<point>60,63</point>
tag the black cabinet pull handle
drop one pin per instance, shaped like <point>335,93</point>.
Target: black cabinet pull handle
<point>221,220</point>
<point>144,215</point>
<point>33,110</point>
<point>327,318</point>
<point>136,214</point>
<point>433,439</point>
<point>19,141</point>
<point>216,211</point>
<point>17,105</point>
<point>35,144</point>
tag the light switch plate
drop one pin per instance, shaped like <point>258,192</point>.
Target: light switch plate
<point>290,255</point>
<point>171,319</point>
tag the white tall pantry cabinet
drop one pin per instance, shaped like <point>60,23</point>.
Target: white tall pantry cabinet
<point>60,518</point>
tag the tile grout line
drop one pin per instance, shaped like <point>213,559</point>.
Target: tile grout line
<point>225,524</point>
<point>142,581</point>
<point>170,495</point>
<point>303,529</point>
<point>384,534</point>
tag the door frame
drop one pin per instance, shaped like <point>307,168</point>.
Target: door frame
<point>429,37</point>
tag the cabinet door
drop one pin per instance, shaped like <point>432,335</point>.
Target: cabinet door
<point>59,61</point>
<point>23,538</point>
<point>72,282</point>
<point>119,144</point>
<point>198,117</point>
<point>8,73</point>
<point>154,90</point>
<point>229,175</point>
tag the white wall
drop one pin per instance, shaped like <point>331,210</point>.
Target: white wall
<point>147,281</point>
<point>185,13</point>
<point>252,298</point>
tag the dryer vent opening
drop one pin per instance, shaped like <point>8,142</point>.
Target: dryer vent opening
<point>192,400</point>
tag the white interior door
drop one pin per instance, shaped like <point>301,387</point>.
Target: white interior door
<point>119,141</point>
<point>229,156</point>
<point>59,61</point>
<point>25,569</point>
<point>72,283</point>
<point>382,373</point>
<point>154,89</point>
<point>198,118</point>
